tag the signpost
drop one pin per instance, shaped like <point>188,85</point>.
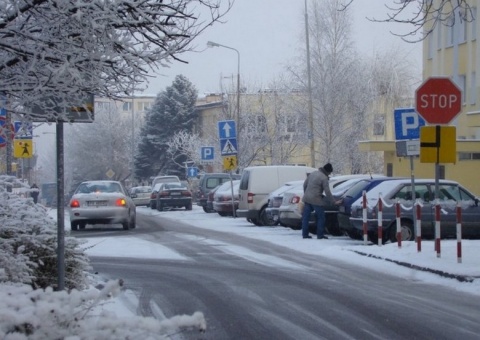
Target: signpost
<point>438,100</point>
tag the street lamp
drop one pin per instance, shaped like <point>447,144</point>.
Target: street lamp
<point>213,44</point>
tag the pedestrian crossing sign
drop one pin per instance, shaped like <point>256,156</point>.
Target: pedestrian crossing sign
<point>228,146</point>
<point>22,148</point>
<point>229,163</point>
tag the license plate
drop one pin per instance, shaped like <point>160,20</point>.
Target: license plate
<point>175,194</point>
<point>96,203</point>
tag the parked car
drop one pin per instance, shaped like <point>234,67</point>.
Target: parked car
<point>222,198</point>
<point>207,182</point>
<point>210,198</point>
<point>450,194</point>
<point>291,216</point>
<point>258,182</point>
<point>173,195</point>
<point>153,195</point>
<point>350,196</point>
<point>141,195</point>
<point>275,199</point>
<point>101,202</point>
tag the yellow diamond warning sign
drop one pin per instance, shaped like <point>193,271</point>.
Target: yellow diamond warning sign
<point>22,148</point>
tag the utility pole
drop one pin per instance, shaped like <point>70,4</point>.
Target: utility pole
<point>310,104</point>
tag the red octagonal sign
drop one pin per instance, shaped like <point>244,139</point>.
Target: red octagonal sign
<point>438,100</point>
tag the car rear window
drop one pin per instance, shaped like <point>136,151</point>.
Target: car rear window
<point>244,180</point>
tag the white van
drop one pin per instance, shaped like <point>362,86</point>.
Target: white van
<point>257,182</point>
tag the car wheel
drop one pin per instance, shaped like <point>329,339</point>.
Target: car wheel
<point>223,213</point>
<point>160,207</point>
<point>354,234</point>
<point>125,225</point>
<point>256,222</point>
<point>74,225</point>
<point>332,225</point>
<point>82,225</point>
<point>265,219</point>
<point>188,207</point>
<point>406,228</point>
<point>152,205</point>
<point>133,221</point>
<point>206,209</point>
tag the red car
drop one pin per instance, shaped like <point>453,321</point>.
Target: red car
<point>222,202</point>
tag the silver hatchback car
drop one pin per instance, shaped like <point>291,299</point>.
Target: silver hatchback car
<point>102,202</point>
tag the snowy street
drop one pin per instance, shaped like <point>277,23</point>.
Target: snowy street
<point>185,261</point>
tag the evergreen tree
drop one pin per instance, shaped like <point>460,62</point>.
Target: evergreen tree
<point>172,112</point>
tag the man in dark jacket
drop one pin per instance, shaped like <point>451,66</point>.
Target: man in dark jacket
<point>317,196</point>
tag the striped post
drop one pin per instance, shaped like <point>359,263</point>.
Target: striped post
<point>380,215</point>
<point>437,229</point>
<point>399,225</point>
<point>364,210</point>
<point>418,225</point>
<point>459,233</point>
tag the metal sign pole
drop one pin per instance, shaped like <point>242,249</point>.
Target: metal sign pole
<point>60,209</point>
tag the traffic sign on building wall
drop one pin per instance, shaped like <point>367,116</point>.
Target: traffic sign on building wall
<point>438,100</point>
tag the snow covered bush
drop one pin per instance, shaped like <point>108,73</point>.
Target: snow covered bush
<point>26,313</point>
<point>28,243</point>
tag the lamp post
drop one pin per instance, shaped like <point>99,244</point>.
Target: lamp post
<point>310,104</point>
<point>213,44</point>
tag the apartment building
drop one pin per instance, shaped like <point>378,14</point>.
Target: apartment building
<point>451,50</point>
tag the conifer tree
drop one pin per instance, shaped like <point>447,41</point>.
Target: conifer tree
<point>172,112</point>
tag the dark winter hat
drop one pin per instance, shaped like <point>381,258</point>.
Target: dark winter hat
<point>328,168</point>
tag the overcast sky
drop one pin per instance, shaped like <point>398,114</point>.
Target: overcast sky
<point>268,34</point>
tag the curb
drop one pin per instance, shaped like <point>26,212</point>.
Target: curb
<point>458,277</point>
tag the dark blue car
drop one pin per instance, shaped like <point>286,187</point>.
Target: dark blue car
<point>350,196</point>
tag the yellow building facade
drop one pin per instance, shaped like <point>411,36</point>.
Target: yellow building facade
<point>450,50</point>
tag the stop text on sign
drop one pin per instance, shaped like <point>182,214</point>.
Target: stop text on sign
<point>438,101</point>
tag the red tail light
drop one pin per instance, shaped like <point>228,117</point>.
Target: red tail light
<point>250,197</point>
<point>295,200</point>
<point>186,193</point>
<point>121,202</point>
<point>74,204</point>
<point>163,193</point>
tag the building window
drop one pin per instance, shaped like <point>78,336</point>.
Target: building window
<point>462,84</point>
<point>473,89</point>
<point>462,28</point>
<point>450,30</point>
<point>473,23</point>
<point>430,46</point>
<point>439,36</point>
<point>102,105</point>
<point>389,169</point>
<point>127,106</point>
<point>468,156</point>
<point>143,106</point>
<point>379,125</point>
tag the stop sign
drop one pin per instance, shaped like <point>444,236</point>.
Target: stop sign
<point>438,100</point>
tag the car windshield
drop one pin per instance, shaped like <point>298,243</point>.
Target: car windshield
<point>98,187</point>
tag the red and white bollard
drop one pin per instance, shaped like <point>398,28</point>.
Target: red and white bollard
<point>380,215</point>
<point>364,210</point>
<point>418,226</point>
<point>437,228</point>
<point>399,225</point>
<point>459,233</point>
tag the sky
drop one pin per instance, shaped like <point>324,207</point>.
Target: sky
<point>268,34</point>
